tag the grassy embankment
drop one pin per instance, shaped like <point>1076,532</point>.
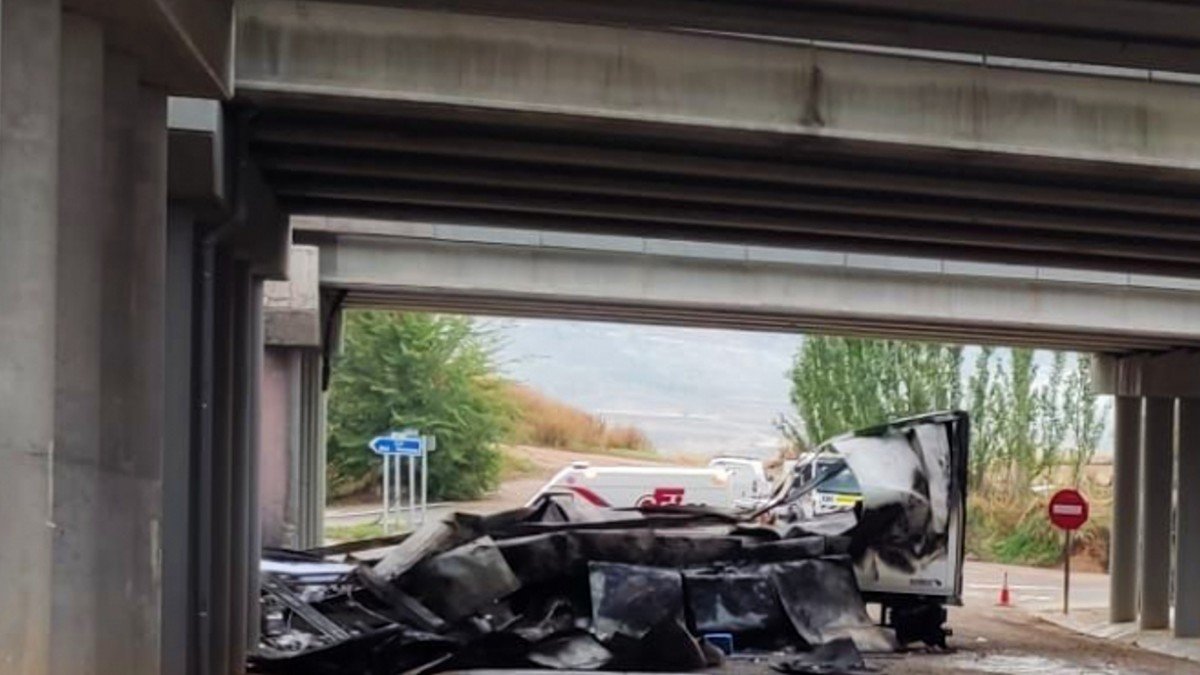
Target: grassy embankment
<point>545,422</point>
<point>1014,528</point>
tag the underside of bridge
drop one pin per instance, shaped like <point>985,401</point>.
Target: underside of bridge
<point>519,170</point>
<point>450,118</point>
<point>132,259</point>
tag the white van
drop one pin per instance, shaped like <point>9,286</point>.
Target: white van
<point>723,484</point>
<point>747,477</point>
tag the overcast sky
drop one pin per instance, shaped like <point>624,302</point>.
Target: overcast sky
<point>692,390</point>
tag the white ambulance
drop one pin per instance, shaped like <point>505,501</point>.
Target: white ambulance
<point>727,482</point>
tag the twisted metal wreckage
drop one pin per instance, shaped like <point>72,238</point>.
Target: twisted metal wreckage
<point>564,585</point>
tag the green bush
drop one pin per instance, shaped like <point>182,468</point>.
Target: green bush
<point>430,372</point>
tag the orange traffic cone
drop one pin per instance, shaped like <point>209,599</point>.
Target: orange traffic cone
<point>1005,598</point>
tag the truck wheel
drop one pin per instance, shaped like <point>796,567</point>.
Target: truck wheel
<point>919,622</point>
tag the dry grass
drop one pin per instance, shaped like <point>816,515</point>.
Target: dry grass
<point>1012,527</point>
<point>548,423</point>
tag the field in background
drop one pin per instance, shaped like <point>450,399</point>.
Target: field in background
<point>545,422</point>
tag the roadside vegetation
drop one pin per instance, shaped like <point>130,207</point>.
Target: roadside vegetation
<point>545,422</point>
<point>439,374</point>
<point>430,372</point>
<point>1030,435</point>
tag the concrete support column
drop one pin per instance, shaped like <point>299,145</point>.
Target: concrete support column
<point>1187,521</point>
<point>78,508</point>
<point>292,437</point>
<point>279,475</point>
<point>222,461</point>
<point>1156,474</point>
<point>29,133</point>
<point>1123,551</point>
<point>242,507</point>
<point>292,454</point>
<point>245,551</point>
<point>180,463</point>
<point>312,451</point>
<point>133,343</point>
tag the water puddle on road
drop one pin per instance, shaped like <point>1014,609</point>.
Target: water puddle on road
<point>1006,664</point>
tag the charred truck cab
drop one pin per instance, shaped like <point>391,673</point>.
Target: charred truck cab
<point>907,527</point>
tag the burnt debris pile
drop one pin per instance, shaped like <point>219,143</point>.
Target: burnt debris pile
<point>558,587</point>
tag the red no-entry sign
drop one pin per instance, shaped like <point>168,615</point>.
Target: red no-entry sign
<point>1068,509</point>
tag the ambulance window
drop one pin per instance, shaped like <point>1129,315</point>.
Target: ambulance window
<point>843,483</point>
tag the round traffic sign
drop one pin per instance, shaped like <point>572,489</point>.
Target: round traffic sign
<point>1068,509</point>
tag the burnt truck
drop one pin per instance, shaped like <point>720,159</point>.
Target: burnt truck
<point>566,584</point>
<point>906,528</point>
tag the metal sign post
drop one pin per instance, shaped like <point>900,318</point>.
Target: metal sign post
<point>1067,573</point>
<point>394,448</point>
<point>430,446</point>
<point>412,489</point>
<point>1068,511</point>
<point>387,501</point>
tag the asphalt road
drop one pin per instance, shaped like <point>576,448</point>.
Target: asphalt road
<point>992,639</point>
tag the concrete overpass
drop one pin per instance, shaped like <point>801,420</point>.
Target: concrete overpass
<point>137,232</point>
<point>515,272</point>
<point>441,117</point>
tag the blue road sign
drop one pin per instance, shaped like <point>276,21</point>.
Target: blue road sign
<point>398,444</point>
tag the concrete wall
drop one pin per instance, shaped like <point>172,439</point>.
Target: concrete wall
<point>86,409</point>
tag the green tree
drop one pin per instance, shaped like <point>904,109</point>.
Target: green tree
<point>1023,426</point>
<point>1026,427</point>
<point>431,372</point>
<point>986,416</point>
<point>1084,418</point>
<point>839,384</point>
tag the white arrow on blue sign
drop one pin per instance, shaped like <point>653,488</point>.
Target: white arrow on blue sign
<point>398,444</point>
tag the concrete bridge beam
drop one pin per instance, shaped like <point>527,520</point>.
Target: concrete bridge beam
<point>354,55</point>
<point>621,278</point>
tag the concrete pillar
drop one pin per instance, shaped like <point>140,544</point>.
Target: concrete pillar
<point>279,470</point>
<point>254,347</point>
<point>293,471</point>
<point>1187,521</point>
<point>180,564</point>
<point>240,487</point>
<point>78,508</point>
<point>292,454</point>
<point>29,106</point>
<point>1156,474</point>
<point>1123,551</point>
<point>133,339</point>
<point>312,449</point>
<point>222,458</point>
